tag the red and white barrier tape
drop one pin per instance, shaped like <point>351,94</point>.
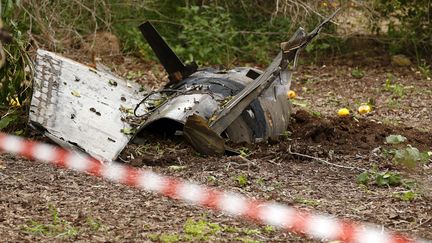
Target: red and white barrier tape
<point>316,226</point>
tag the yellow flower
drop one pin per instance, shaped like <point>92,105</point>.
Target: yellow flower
<point>14,102</point>
<point>363,109</point>
<point>291,94</point>
<point>343,112</point>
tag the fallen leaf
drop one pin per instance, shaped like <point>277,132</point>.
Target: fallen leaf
<point>395,139</point>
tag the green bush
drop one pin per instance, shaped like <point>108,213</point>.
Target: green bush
<point>208,35</point>
<point>410,27</point>
<point>15,75</point>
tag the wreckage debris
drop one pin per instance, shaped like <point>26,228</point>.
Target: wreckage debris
<point>75,107</point>
<point>207,105</point>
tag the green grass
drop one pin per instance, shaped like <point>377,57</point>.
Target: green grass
<point>168,238</point>
<point>201,230</point>
<point>242,180</point>
<point>56,228</point>
<point>307,202</point>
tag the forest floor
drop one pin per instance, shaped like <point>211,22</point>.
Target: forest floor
<point>42,203</point>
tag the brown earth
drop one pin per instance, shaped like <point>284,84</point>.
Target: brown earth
<point>351,135</point>
<point>272,171</point>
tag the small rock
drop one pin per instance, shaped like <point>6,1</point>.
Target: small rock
<point>400,60</point>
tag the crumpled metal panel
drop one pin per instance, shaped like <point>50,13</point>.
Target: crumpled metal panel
<point>78,106</point>
<point>267,116</point>
<point>181,107</point>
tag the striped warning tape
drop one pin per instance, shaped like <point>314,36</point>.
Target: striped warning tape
<point>316,226</point>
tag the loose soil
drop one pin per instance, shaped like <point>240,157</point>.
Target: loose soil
<point>29,191</point>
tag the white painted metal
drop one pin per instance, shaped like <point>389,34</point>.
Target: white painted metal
<point>76,105</point>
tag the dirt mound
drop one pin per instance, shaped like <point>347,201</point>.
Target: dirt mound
<point>348,133</point>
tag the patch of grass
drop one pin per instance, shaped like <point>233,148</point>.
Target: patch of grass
<point>168,238</point>
<point>393,103</point>
<point>56,228</point>
<point>203,230</point>
<point>407,196</point>
<point>231,229</point>
<point>165,237</point>
<point>301,104</point>
<point>316,114</point>
<point>142,149</point>
<point>260,181</point>
<point>390,121</point>
<point>211,179</point>
<point>252,231</point>
<point>95,224</point>
<point>269,229</point>
<point>159,149</point>
<point>200,230</point>
<point>357,73</point>
<point>397,90</point>
<point>307,202</point>
<point>242,180</point>
<point>425,70</point>
<point>246,240</point>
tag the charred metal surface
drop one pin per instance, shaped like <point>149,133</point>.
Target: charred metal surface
<point>173,65</point>
<point>78,106</point>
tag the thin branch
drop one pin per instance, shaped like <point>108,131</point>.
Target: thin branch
<point>247,160</point>
<point>325,161</point>
<point>416,226</point>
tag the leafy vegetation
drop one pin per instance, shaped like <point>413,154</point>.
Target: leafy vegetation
<point>408,156</point>
<point>396,89</point>
<point>410,26</point>
<point>15,75</point>
<point>381,179</point>
<point>395,139</point>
